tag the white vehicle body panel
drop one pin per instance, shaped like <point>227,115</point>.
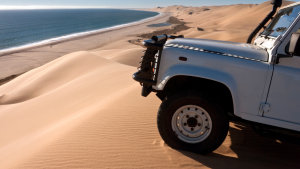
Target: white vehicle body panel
<point>270,121</point>
<point>284,93</point>
<point>236,73</point>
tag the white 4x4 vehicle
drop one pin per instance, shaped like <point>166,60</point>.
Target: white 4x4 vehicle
<point>204,83</point>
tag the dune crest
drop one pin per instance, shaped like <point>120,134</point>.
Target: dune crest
<point>52,76</point>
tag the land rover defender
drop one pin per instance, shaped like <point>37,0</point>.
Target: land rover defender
<point>205,83</point>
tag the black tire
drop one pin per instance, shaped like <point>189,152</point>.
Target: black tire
<point>220,121</point>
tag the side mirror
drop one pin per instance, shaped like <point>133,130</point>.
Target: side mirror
<point>295,44</point>
<point>294,48</point>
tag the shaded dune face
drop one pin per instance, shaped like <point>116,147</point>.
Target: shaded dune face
<point>52,76</point>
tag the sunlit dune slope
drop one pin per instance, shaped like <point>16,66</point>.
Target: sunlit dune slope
<point>231,22</point>
<point>121,51</point>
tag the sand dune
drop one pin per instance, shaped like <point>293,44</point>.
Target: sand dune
<point>121,51</point>
<point>62,89</point>
<point>83,110</point>
<point>232,22</point>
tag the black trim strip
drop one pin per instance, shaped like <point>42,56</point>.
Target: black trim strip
<point>149,44</point>
<point>210,51</point>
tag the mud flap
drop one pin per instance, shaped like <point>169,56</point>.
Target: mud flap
<point>146,90</point>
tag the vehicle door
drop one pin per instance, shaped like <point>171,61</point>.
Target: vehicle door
<point>284,91</point>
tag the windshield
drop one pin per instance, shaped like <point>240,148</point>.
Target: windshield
<point>282,21</point>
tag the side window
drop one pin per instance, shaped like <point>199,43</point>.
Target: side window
<point>287,48</point>
<point>288,45</point>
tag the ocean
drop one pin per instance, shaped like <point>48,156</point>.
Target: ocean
<point>27,27</point>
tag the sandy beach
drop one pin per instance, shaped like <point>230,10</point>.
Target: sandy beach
<point>76,105</point>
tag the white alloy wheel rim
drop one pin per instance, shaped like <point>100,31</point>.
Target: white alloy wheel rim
<point>192,124</point>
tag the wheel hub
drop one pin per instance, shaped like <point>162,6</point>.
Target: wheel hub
<point>192,124</point>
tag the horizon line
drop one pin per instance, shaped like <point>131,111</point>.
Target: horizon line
<point>32,7</point>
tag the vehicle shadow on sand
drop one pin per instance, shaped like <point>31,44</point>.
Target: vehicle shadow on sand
<point>246,150</point>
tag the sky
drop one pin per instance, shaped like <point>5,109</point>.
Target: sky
<point>117,3</point>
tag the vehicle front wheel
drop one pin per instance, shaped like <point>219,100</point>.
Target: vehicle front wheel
<point>192,121</point>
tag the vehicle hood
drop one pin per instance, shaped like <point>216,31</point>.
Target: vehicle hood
<point>231,49</point>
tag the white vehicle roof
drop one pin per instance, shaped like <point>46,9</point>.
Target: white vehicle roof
<point>293,4</point>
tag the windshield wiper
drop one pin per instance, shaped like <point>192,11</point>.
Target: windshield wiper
<point>281,29</point>
<point>268,33</point>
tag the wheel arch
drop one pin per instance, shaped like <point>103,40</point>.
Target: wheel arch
<point>213,80</point>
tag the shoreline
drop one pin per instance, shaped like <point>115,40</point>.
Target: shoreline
<point>74,36</point>
<point>22,60</point>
